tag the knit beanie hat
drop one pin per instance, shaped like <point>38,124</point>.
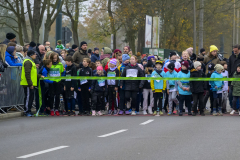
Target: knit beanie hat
<point>10,36</point>
<point>10,49</point>
<point>96,48</point>
<point>238,65</point>
<point>200,58</point>
<point>145,59</point>
<point>218,67</point>
<point>117,50</point>
<point>196,64</point>
<point>190,51</point>
<point>74,46</point>
<point>202,50</point>
<point>171,66</point>
<point>213,48</point>
<point>193,57</point>
<point>125,57</point>
<point>32,44</point>
<point>151,57</point>
<point>113,61</point>
<point>107,50</point>
<point>59,41</point>
<point>185,63</point>
<point>30,53</point>
<point>149,63</point>
<point>172,54</point>
<point>211,66</point>
<point>100,68</point>
<point>128,48</point>
<point>89,50</point>
<point>82,43</point>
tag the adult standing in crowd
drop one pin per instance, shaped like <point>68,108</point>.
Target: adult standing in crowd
<point>3,48</point>
<point>40,51</point>
<point>73,50</point>
<point>211,57</point>
<point>95,56</point>
<point>80,54</point>
<point>20,53</point>
<point>10,37</point>
<point>11,57</point>
<point>202,52</point>
<point>234,60</point>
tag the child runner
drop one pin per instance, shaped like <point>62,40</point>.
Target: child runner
<point>70,85</point>
<point>85,86</point>
<point>158,86</point>
<point>217,89</point>
<point>132,86</point>
<point>197,89</point>
<point>225,88</point>
<point>98,87</point>
<point>236,90</point>
<point>171,88</point>
<point>55,88</point>
<point>184,88</point>
<point>147,89</point>
<point>112,85</point>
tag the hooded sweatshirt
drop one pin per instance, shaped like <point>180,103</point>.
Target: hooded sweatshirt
<point>9,58</point>
<point>219,84</point>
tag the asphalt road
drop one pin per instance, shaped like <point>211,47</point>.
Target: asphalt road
<point>121,137</point>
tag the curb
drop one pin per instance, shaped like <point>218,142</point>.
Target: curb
<point>11,115</point>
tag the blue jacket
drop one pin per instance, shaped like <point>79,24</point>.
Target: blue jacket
<point>44,71</point>
<point>171,82</point>
<point>160,83</point>
<point>216,83</point>
<point>11,60</point>
<point>95,57</point>
<point>184,83</point>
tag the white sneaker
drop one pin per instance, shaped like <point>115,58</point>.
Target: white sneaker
<point>150,110</point>
<point>232,113</point>
<point>144,112</point>
<point>157,115</point>
<point>93,113</point>
<point>128,105</point>
<point>239,113</point>
<point>99,113</point>
<point>186,110</point>
<point>133,113</point>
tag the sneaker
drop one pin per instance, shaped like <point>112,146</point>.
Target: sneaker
<point>99,113</point>
<point>28,114</point>
<point>80,113</point>
<point>174,112</point>
<point>157,115</point>
<point>127,112</point>
<point>154,113</point>
<point>215,113</point>
<point>186,110</point>
<point>232,112</point>
<point>57,113</point>
<point>160,113</point>
<point>103,112</point>
<point>144,112</point>
<point>115,112</point>
<point>64,113</point>
<point>87,113</point>
<point>109,112</point>
<point>169,113</point>
<point>133,113</point>
<point>52,113</point>
<point>69,113</point>
<point>93,113</point>
<point>239,113</point>
<point>189,113</point>
<point>220,113</point>
<point>73,113</point>
<point>180,113</point>
<point>42,114</point>
<point>137,113</point>
<point>120,112</point>
<point>150,110</point>
<point>193,114</point>
<point>202,114</point>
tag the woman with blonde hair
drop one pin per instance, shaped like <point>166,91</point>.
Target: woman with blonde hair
<point>3,48</point>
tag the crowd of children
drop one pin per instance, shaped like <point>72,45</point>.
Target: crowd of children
<point>113,97</point>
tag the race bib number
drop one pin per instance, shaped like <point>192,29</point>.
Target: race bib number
<point>68,75</point>
<point>172,87</point>
<point>148,75</point>
<point>156,76</point>
<point>83,81</point>
<point>185,84</point>
<point>54,72</point>
<point>111,74</point>
<point>101,83</point>
<point>132,73</point>
<point>219,90</point>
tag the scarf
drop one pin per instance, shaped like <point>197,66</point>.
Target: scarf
<point>55,63</point>
<point>113,69</point>
<point>184,71</point>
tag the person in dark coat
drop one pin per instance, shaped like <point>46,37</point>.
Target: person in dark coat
<point>10,37</point>
<point>72,50</point>
<point>95,56</point>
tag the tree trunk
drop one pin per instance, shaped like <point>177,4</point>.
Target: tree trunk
<point>75,31</point>
<point>113,30</point>
<point>23,21</point>
<point>47,29</point>
<point>141,39</point>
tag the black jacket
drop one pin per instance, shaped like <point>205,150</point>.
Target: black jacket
<point>232,66</point>
<point>85,71</point>
<point>95,85</point>
<point>131,71</point>
<point>70,71</point>
<point>71,52</point>
<point>208,84</point>
<point>109,82</point>
<point>197,86</point>
<point>146,84</point>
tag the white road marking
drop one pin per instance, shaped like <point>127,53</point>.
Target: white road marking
<point>148,121</point>
<point>44,151</point>
<point>113,133</point>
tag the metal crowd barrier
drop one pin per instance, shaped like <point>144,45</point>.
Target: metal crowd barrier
<point>11,93</point>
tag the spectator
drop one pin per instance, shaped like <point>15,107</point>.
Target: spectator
<point>32,45</point>
<point>20,53</point>
<point>139,57</point>
<point>40,51</point>
<point>89,53</point>
<point>116,52</point>
<point>3,48</point>
<point>202,52</point>
<point>67,46</point>
<point>11,58</point>
<point>25,49</point>
<point>73,50</point>
<point>59,45</point>
<point>80,54</point>
<point>64,54</point>
<point>26,45</point>
<point>95,56</point>
<point>10,37</point>
<point>106,53</point>
<point>211,57</point>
